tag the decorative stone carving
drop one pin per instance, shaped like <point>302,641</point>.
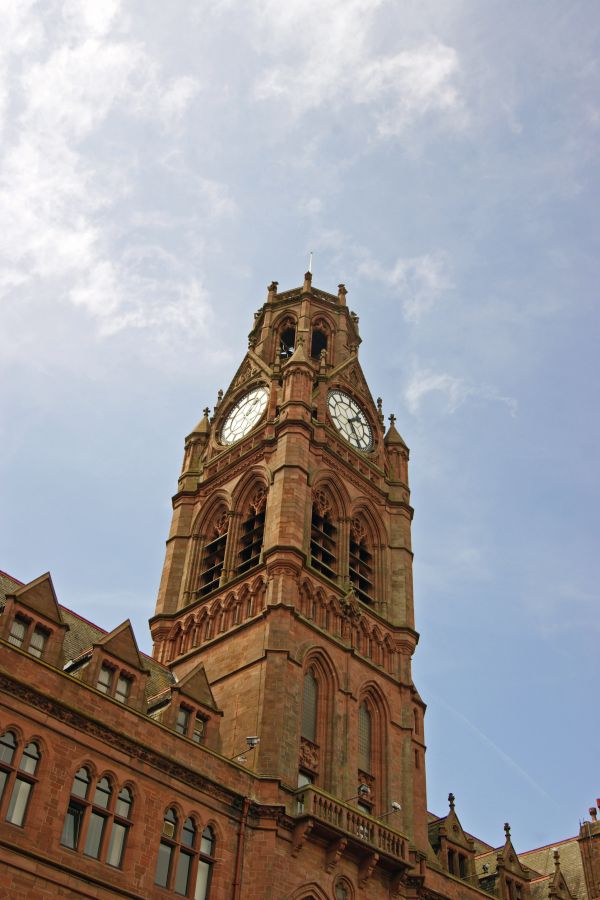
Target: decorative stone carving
<point>350,608</point>
<point>309,755</point>
<point>247,372</point>
<point>221,525</point>
<point>258,501</point>
<point>321,502</point>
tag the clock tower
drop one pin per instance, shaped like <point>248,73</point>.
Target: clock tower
<point>288,571</point>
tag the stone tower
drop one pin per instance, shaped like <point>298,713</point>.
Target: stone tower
<point>288,570</point>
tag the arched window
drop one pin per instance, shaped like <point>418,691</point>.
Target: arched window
<point>213,554</point>
<point>185,861</point>
<point>252,532</point>
<point>319,337</point>
<point>361,563</point>
<point>309,707</point>
<point>364,738</point>
<point>287,338</point>
<point>21,777</point>
<point>323,537</point>
<point>98,821</point>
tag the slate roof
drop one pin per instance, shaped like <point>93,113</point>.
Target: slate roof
<point>571,864</point>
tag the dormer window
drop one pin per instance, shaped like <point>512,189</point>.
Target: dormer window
<point>199,728</point>
<point>183,720</point>
<point>117,685</point>
<point>105,676</point>
<point>17,632</point>
<point>38,642</point>
<point>123,688</point>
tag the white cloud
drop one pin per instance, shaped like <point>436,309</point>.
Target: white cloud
<point>454,391</point>
<point>338,63</point>
<point>419,280</point>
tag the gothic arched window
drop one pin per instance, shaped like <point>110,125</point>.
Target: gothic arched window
<point>310,701</point>
<point>323,537</point>
<point>252,532</point>
<point>21,778</point>
<point>213,554</point>
<point>185,859</point>
<point>319,338</point>
<point>287,338</point>
<point>364,738</point>
<point>361,563</point>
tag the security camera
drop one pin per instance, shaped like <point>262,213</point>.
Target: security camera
<point>364,789</point>
<point>396,806</point>
<point>252,741</point>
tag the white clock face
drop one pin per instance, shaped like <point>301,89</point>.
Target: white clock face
<point>350,420</point>
<point>244,415</point>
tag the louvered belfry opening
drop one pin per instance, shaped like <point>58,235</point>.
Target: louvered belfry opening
<point>360,563</point>
<point>323,537</point>
<point>252,533</point>
<point>214,555</point>
<point>309,707</point>
<point>287,338</point>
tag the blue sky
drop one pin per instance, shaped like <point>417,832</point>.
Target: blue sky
<point>160,164</point>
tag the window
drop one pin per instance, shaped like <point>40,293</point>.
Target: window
<point>319,339</point>
<point>17,632</point>
<point>252,532</point>
<point>105,677</point>
<point>360,563</point>
<point>100,824</point>
<point>323,537</point>
<point>182,721</point>
<point>123,688</point>
<point>185,858</point>
<point>309,707</point>
<point>364,738</point>
<point>199,728</point>
<point>287,339</point>
<point>214,555</point>
<point>22,778</point>
<point>38,642</point>
<point>36,639</point>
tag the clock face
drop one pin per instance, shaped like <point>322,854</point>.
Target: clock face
<point>244,415</point>
<point>350,420</point>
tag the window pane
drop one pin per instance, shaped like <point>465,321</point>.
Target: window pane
<point>102,793</point>
<point>38,642</point>
<point>122,689</point>
<point>117,844</point>
<point>81,783</point>
<point>208,841</point>
<point>198,732</point>
<point>123,804</point>
<point>8,745</point>
<point>17,633</point>
<point>94,835</point>
<point>30,758</point>
<point>72,826</point>
<point>18,802</point>
<point>170,823</point>
<point>202,881</point>
<point>163,864</point>
<point>104,679</point>
<point>183,873</point>
<point>309,707</point>
<point>3,777</point>
<point>181,724</point>
<point>364,738</point>
<point>188,834</point>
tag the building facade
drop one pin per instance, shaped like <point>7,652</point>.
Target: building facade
<point>273,745</point>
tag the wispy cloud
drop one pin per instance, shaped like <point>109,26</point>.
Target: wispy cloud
<point>454,391</point>
<point>419,281</point>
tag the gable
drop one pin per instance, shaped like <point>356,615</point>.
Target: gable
<point>195,686</point>
<point>40,597</point>
<point>122,644</point>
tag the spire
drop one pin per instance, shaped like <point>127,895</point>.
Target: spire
<point>203,426</point>
<point>392,436</point>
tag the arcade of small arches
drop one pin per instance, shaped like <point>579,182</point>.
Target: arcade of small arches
<point>286,331</point>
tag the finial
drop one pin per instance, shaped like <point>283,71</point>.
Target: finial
<point>310,255</point>
<point>322,360</point>
<point>392,420</point>
<point>380,410</point>
<point>593,813</point>
<point>451,799</point>
<point>556,860</point>
<point>272,291</point>
<point>219,396</point>
<point>507,831</point>
<point>307,281</point>
<point>206,412</point>
<point>342,293</point>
